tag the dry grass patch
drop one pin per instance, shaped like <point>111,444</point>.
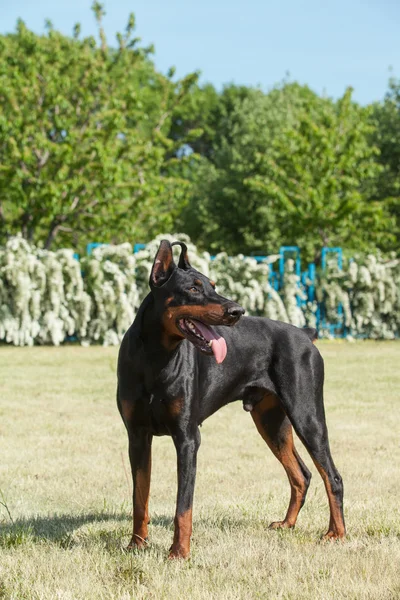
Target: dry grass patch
<point>65,512</point>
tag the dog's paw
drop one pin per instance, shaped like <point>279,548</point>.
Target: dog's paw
<point>281,525</point>
<point>178,551</point>
<point>137,543</point>
<point>333,535</point>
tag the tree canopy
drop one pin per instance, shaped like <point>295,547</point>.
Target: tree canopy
<point>97,145</point>
<point>83,149</point>
<point>288,167</point>
<point>386,136</point>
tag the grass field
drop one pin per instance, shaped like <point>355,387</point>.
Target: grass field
<point>65,490</point>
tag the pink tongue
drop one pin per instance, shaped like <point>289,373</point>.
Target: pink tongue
<point>218,346</point>
<point>218,343</point>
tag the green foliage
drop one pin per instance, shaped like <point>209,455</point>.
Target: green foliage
<point>287,167</point>
<point>240,128</point>
<point>97,145</point>
<point>313,177</point>
<point>83,145</point>
<point>386,136</point>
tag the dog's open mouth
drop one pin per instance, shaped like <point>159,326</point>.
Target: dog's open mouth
<point>204,338</point>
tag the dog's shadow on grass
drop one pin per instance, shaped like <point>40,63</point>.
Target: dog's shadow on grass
<point>54,528</point>
<point>84,529</point>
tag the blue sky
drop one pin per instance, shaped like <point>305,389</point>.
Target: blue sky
<point>327,44</point>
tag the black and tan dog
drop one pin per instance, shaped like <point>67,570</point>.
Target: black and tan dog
<point>180,362</point>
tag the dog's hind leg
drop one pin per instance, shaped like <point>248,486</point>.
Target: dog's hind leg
<point>275,428</point>
<point>140,459</point>
<point>304,405</point>
<point>313,433</point>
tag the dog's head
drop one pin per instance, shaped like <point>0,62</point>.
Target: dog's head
<point>189,304</point>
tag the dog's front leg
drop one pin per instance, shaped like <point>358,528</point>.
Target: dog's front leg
<point>140,459</point>
<point>186,444</point>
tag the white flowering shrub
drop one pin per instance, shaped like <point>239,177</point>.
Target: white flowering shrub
<point>332,293</point>
<point>110,279</point>
<point>374,293</point>
<point>42,297</point>
<point>242,279</point>
<point>291,293</point>
<point>48,297</point>
<point>368,290</point>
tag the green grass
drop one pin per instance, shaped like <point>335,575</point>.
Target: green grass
<point>65,490</point>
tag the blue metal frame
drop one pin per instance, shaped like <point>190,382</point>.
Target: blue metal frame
<point>308,282</point>
<point>325,251</point>
<point>90,247</point>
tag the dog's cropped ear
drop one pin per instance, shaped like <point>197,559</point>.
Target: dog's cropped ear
<point>183,259</point>
<point>163,265</point>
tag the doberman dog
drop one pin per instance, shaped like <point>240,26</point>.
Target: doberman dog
<point>180,362</point>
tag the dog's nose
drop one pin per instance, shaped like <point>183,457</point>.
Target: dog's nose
<point>235,311</point>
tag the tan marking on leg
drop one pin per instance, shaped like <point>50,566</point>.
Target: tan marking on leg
<point>269,401</point>
<point>183,530</point>
<point>288,456</point>
<point>298,487</point>
<point>337,528</point>
<point>141,508</point>
<point>127,409</point>
<point>174,407</point>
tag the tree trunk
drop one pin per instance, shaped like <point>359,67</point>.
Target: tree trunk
<point>55,226</point>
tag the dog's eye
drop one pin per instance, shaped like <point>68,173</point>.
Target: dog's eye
<point>193,289</point>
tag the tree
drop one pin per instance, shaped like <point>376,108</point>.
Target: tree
<point>314,177</point>
<point>84,153</point>
<point>288,168</point>
<point>386,136</point>
<point>208,113</point>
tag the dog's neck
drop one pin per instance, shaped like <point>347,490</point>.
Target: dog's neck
<point>155,336</point>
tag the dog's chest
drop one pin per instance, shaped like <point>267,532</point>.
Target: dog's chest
<point>169,390</point>
<point>170,380</point>
<point>164,386</point>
